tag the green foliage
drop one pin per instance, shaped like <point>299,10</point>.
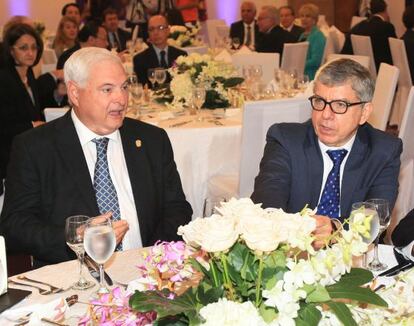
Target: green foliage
<point>308,315</point>
<point>342,312</point>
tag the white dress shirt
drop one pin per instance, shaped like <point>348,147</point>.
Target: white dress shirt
<point>252,33</point>
<point>119,175</point>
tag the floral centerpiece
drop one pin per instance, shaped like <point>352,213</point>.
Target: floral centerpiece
<point>218,77</point>
<point>184,36</point>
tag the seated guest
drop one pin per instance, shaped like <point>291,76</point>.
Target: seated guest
<point>309,16</point>
<point>91,34</point>
<point>335,159</point>
<point>379,29</point>
<point>62,169</point>
<point>72,10</point>
<point>136,15</point>
<point>287,21</point>
<point>246,29</point>
<point>273,37</point>
<point>159,53</point>
<point>66,35</point>
<point>22,96</point>
<point>188,10</point>
<point>408,37</point>
<point>403,235</point>
<point>117,37</point>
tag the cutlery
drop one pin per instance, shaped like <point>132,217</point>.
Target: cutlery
<point>178,124</point>
<point>397,269</point>
<point>42,291</point>
<point>94,271</point>
<point>53,289</point>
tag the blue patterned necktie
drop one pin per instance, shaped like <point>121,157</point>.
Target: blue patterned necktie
<point>330,199</point>
<point>105,192</point>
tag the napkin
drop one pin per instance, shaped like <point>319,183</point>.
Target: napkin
<point>55,310</point>
<point>244,50</point>
<point>224,56</point>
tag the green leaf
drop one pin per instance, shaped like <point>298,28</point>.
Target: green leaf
<point>237,255</point>
<point>319,294</point>
<point>249,268</point>
<point>207,294</point>
<point>270,276</point>
<point>342,312</point>
<point>267,313</point>
<point>356,277</point>
<point>171,321</point>
<point>207,273</point>
<point>355,293</point>
<point>233,81</point>
<point>308,315</point>
<point>275,259</point>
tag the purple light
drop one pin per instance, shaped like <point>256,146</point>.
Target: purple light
<point>228,10</point>
<point>20,7</point>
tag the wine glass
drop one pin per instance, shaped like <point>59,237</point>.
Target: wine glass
<point>256,72</point>
<point>151,76</point>
<point>74,232</point>
<point>100,242</point>
<point>210,204</point>
<point>236,42</point>
<point>199,96</point>
<point>383,210</point>
<point>160,76</point>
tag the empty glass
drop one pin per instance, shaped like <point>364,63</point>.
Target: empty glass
<point>151,76</point>
<point>199,96</point>
<point>236,42</point>
<point>160,76</point>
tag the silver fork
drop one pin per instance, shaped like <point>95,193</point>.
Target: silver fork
<point>53,288</point>
<point>42,291</point>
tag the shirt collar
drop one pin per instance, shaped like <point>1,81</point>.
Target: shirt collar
<point>289,28</point>
<point>347,145</point>
<point>158,50</point>
<point>86,135</point>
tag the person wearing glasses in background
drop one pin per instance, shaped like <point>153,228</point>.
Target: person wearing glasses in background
<point>159,54</point>
<point>336,158</point>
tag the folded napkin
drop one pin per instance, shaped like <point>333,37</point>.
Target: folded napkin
<point>224,56</point>
<point>244,50</point>
<point>55,310</point>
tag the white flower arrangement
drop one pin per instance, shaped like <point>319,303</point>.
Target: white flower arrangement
<point>184,36</point>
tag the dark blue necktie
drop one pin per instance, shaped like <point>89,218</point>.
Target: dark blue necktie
<point>105,192</point>
<point>330,199</point>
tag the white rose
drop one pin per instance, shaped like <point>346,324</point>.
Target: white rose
<point>241,209</point>
<point>212,234</point>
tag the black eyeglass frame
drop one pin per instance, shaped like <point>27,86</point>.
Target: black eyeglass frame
<point>333,101</point>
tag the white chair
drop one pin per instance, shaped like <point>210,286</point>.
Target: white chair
<point>223,31</point>
<point>49,61</point>
<point>361,59</point>
<point>400,60</point>
<point>212,35</point>
<point>54,113</point>
<point>361,45</point>
<point>356,20</point>
<point>382,100</point>
<point>268,61</point>
<point>329,46</point>
<point>294,56</point>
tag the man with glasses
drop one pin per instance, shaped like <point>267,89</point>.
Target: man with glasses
<point>159,54</point>
<point>336,158</point>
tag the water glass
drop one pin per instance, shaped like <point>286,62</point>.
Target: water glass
<point>210,204</point>
<point>236,42</point>
<point>199,96</point>
<point>151,76</point>
<point>160,76</point>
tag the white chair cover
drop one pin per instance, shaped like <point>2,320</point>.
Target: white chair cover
<point>195,49</point>
<point>212,30</point>
<point>294,56</point>
<point>400,60</point>
<point>329,45</point>
<point>54,113</point>
<point>356,20</point>
<point>382,100</point>
<point>49,61</point>
<point>361,45</point>
<point>268,61</point>
<point>361,59</point>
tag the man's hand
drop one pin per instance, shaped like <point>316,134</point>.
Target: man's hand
<point>323,230</point>
<point>120,227</point>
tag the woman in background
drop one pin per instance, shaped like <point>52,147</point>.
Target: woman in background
<point>66,35</point>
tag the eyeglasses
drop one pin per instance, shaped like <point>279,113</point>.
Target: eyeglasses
<point>337,106</point>
<point>157,28</point>
<point>26,47</point>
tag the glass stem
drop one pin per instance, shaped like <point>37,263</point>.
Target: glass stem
<point>376,260</point>
<point>101,276</point>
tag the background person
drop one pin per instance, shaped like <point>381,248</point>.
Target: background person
<point>287,21</point>
<point>66,35</point>
<point>246,29</point>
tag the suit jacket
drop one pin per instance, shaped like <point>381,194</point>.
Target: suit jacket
<point>50,181</point>
<point>273,40</point>
<point>65,56</point>
<point>291,169</point>
<point>148,59</point>
<point>408,38</point>
<point>237,30</point>
<point>123,37</point>
<point>296,31</point>
<point>403,234</point>
<point>379,31</point>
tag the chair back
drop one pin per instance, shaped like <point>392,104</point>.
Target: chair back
<point>405,132</point>
<point>356,20</point>
<point>330,47</point>
<point>361,59</point>
<point>385,86</point>
<point>54,113</point>
<point>257,119</point>
<point>268,61</point>
<point>294,56</point>
<point>49,60</point>
<point>361,45</point>
<point>212,30</point>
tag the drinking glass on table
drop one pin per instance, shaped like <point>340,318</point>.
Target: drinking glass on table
<point>236,42</point>
<point>100,242</point>
<point>210,204</point>
<point>199,96</point>
<point>384,216</point>
<point>74,233</point>
<point>151,76</point>
<point>160,76</point>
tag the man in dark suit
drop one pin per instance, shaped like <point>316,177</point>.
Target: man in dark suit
<point>337,158</point>
<point>379,29</point>
<point>287,22</point>
<point>246,29</point>
<point>403,235</point>
<point>117,37</point>
<point>274,37</point>
<point>159,54</point>
<point>55,172</point>
<point>408,37</point>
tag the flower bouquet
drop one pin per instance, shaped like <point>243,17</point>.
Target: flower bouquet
<point>184,36</point>
<point>217,77</point>
<point>252,266</point>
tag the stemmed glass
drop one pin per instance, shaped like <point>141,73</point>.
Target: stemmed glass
<point>100,242</point>
<point>160,76</point>
<point>74,232</point>
<point>151,76</point>
<point>383,210</point>
<point>199,96</point>
<point>236,42</point>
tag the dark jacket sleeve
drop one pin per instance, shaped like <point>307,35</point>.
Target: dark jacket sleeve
<point>404,232</point>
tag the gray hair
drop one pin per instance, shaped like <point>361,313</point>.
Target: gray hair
<point>77,68</point>
<point>250,4</point>
<point>342,71</point>
<point>272,12</point>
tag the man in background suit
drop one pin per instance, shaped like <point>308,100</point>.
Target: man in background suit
<point>403,235</point>
<point>246,29</point>
<point>117,37</point>
<point>274,37</point>
<point>379,29</point>
<point>287,22</point>
<point>55,173</point>
<point>159,54</point>
<point>408,37</point>
<point>337,158</point>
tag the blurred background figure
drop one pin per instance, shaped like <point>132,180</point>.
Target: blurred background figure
<point>287,21</point>
<point>66,35</point>
<point>246,29</point>
<point>408,37</point>
<point>117,37</point>
<point>72,10</point>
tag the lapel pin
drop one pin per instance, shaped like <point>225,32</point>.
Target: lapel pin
<point>138,143</point>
